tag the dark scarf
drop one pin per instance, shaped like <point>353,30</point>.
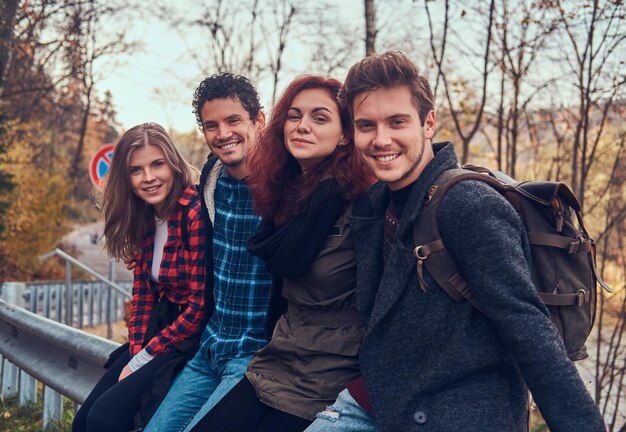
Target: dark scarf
<point>290,250</point>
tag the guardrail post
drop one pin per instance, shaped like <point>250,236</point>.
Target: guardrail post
<point>99,319</point>
<point>28,389</point>
<point>33,298</point>
<point>59,303</point>
<point>81,307</point>
<point>112,270</point>
<point>112,294</point>
<point>46,301</point>
<point>13,293</point>
<point>114,312</point>
<point>9,379</point>
<point>108,313</point>
<point>90,306</point>
<point>69,294</point>
<point>52,407</point>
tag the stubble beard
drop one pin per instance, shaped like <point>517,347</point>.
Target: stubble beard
<point>238,161</point>
<point>235,162</point>
<point>416,164</point>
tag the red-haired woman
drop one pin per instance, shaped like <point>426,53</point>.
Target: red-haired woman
<point>305,174</point>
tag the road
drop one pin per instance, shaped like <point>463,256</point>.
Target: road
<point>92,254</point>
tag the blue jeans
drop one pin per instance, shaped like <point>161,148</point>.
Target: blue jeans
<point>345,415</point>
<point>196,389</point>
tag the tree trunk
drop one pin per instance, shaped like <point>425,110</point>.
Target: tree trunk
<point>78,155</point>
<point>514,131</point>
<point>8,9</point>
<point>370,28</point>
<point>500,124</point>
<point>587,108</point>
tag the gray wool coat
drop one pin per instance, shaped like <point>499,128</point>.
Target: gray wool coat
<point>432,364</point>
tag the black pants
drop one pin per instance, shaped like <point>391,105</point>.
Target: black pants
<point>111,405</point>
<point>241,411</point>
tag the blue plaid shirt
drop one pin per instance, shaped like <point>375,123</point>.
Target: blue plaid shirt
<point>242,283</point>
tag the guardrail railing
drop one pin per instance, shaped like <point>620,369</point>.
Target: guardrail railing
<point>66,360</point>
<point>34,348</point>
<point>70,292</point>
<point>76,303</point>
<point>71,260</point>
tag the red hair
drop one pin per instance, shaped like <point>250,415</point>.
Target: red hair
<point>276,182</point>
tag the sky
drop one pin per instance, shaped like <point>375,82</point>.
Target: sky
<point>134,84</point>
<point>156,83</point>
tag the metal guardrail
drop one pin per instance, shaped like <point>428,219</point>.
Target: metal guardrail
<point>66,311</point>
<point>64,358</point>
<point>89,306</point>
<point>71,260</point>
<point>67,361</point>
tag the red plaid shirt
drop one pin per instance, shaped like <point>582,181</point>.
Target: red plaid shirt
<point>181,279</point>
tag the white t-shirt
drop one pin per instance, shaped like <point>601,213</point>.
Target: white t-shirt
<point>160,237</point>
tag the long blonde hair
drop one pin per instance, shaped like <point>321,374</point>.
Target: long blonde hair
<point>126,216</point>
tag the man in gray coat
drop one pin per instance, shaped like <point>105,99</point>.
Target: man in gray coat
<point>430,363</point>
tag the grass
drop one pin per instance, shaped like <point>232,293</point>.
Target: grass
<point>537,424</point>
<point>29,417</point>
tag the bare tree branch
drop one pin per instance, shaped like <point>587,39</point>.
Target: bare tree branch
<point>465,138</point>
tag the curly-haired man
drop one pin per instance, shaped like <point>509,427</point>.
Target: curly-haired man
<point>229,113</point>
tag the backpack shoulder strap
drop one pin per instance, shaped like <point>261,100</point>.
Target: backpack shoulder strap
<point>209,300</point>
<point>430,250</point>
<point>184,222</point>
<point>183,227</point>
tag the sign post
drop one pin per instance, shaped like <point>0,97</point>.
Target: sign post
<point>100,163</point>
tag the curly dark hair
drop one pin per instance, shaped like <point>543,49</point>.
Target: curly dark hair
<point>226,85</point>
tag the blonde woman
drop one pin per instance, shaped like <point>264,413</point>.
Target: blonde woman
<point>151,211</point>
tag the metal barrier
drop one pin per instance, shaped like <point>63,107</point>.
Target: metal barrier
<point>75,303</point>
<point>92,303</point>
<point>66,360</point>
<point>34,347</point>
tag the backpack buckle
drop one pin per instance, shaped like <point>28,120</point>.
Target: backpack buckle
<point>582,297</point>
<point>430,194</point>
<point>419,253</point>
<point>574,247</point>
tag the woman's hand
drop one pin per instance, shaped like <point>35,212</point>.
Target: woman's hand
<point>131,263</point>
<point>125,372</point>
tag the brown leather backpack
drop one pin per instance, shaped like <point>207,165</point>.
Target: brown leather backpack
<point>563,255</point>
